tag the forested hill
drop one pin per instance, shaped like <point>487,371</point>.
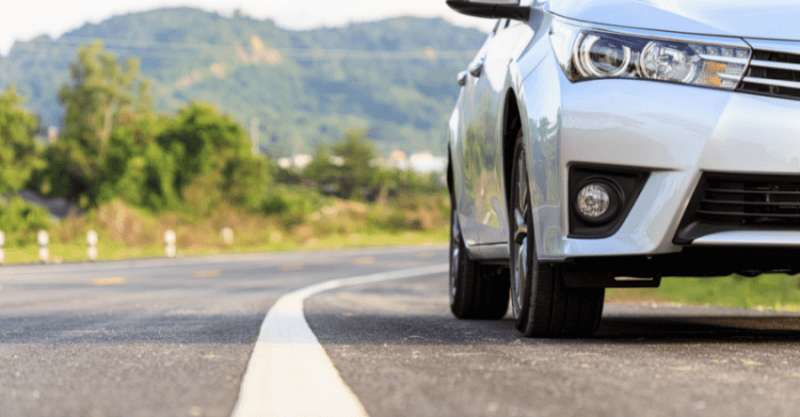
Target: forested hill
<point>394,77</point>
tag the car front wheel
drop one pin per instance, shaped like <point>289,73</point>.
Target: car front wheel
<point>542,304</point>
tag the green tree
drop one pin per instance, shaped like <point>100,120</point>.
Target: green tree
<point>102,95</point>
<point>148,179</point>
<point>203,140</point>
<point>245,182</point>
<point>108,115</point>
<point>213,150</point>
<point>346,169</point>
<point>19,155</point>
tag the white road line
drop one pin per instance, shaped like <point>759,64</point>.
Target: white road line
<point>289,374</point>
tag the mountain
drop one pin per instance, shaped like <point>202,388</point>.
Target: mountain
<point>394,77</point>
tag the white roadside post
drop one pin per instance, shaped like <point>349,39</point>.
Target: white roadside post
<point>91,241</point>
<point>43,238</point>
<point>170,239</point>
<point>2,248</point>
<point>227,236</point>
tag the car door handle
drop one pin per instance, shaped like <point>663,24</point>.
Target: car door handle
<point>476,68</point>
<point>462,78</point>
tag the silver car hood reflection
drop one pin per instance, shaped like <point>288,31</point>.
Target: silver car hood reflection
<point>769,19</point>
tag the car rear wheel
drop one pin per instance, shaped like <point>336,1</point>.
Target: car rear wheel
<point>477,292</point>
<point>542,304</point>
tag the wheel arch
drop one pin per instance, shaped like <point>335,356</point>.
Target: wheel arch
<point>512,125</point>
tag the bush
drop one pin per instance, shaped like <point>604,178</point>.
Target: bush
<point>21,220</point>
<point>412,213</point>
<point>121,223</point>
<point>293,205</point>
<point>346,169</point>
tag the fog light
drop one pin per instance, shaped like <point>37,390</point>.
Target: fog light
<point>597,202</point>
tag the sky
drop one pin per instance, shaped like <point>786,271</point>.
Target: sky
<point>29,18</point>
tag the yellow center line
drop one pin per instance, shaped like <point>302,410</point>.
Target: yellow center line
<point>108,282</point>
<point>364,261</point>
<point>208,274</point>
<point>292,267</point>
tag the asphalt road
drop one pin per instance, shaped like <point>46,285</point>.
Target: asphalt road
<point>174,338</point>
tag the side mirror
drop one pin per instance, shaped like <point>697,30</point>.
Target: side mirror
<point>492,9</point>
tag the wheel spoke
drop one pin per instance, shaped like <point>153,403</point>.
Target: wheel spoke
<point>522,212</point>
<point>521,227</point>
<point>522,185</point>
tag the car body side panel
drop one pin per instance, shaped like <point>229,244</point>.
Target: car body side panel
<point>502,78</point>
<point>455,147</point>
<point>464,132</point>
<point>480,138</point>
<point>477,143</point>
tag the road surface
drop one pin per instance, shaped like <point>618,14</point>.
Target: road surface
<point>189,338</point>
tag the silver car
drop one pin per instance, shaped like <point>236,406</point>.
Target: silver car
<point>608,143</point>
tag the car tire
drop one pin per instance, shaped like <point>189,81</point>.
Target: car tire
<point>477,292</point>
<point>543,305</point>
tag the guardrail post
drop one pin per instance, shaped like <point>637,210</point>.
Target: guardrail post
<point>170,240</point>
<point>2,248</point>
<point>91,241</point>
<point>43,238</point>
<point>228,236</point>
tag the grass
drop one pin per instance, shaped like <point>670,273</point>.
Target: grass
<point>111,251</point>
<point>773,292</point>
<point>127,232</point>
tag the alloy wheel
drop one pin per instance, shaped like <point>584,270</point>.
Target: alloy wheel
<point>520,236</point>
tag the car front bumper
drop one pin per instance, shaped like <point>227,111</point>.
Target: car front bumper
<point>675,132</point>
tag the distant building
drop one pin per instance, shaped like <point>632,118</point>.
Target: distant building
<point>52,134</point>
<point>302,160</point>
<point>285,163</point>
<point>337,161</point>
<point>299,161</point>
<point>422,162</point>
<point>427,163</point>
<point>398,160</point>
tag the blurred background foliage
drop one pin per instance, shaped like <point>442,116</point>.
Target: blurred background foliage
<point>130,172</point>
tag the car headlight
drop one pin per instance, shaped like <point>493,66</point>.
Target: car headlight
<point>589,52</point>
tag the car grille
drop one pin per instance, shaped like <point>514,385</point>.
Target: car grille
<point>724,202</point>
<point>748,200</point>
<point>774,74</point>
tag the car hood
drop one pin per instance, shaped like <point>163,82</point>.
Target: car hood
<point>769,19</point>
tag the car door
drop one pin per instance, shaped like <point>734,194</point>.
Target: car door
<point>471,133</point>
<point>489,92</point>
